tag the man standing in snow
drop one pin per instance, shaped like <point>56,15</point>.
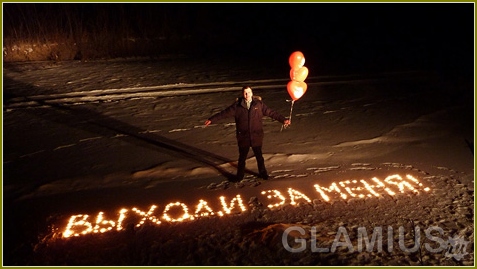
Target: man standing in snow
<point>248,112</point>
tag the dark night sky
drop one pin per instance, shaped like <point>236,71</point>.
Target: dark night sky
<point>437,34</point>
<point>410,33</point>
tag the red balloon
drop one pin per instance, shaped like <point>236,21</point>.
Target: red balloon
<point>299,74</point>
<point>296,89</point>
<point>296,60</point>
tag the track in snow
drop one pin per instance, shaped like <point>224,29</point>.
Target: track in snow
<point>117,94</point>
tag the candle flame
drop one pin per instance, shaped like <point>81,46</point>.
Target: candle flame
<point>80,224</point>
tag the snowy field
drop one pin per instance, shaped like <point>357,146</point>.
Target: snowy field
<point>101,136</point>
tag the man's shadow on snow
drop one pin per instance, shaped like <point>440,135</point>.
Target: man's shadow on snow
<point>92,121</point>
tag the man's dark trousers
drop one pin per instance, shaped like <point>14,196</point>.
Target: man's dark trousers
<point>243,152</point>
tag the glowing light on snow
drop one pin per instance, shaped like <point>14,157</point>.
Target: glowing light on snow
<point>413,179</point>
<point>295,195</point>
<point>103,225</point>
<point>381,185</point>
<point>348,189</point>
<point>83,224</point>
<point>228,209</point>
<point>369,188</point>
<point>79,224</point>
<point>122,216</point>
<point>363,189</point>
<point>185,216</point>
<point>147,216</point>
<point>199,212</point>
<point>276,194</point>
<point>333,187</point>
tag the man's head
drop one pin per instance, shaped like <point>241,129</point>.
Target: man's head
<point>247,93</point>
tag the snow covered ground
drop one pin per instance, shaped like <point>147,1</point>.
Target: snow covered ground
<point>84,138</point>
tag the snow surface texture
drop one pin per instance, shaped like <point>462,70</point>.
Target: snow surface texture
<point>80,138</point>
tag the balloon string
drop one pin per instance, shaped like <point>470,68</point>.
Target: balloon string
<point>291,109</point>
<point>290,117</point>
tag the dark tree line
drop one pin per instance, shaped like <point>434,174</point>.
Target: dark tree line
<point>121,29</point>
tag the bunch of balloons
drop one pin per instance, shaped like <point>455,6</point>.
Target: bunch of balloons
<point>296,86</point>
<point>298,73</point>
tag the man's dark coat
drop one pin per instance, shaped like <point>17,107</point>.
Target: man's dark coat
<point>248,122</point>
